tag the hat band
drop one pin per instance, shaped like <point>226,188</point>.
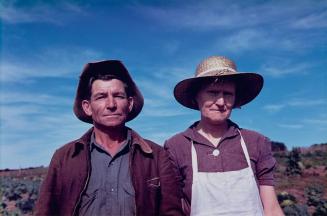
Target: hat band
<point>220,71</point>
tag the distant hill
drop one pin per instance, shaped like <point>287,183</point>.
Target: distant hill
<point>278,146</point>
<point>281,147</point>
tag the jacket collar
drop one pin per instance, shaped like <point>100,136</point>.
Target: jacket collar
<point>136,139</point>
<point>192,134</point>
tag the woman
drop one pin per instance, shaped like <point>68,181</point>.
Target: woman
<point>224,169</point>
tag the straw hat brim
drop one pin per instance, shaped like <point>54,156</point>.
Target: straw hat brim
<point>248,86</point>
<point>112,67</point>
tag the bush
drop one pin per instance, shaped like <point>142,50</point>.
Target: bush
<point>26,205</point>
<point>23,191</point>
<point>285,199</point>
<point>296,210</point>
<point>293,163</point>
<point>289,205</point>
<point>321,208</point>
<point>314,194</point>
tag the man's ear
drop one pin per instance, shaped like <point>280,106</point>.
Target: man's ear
<point>87,107</point>
<point>130,104</point>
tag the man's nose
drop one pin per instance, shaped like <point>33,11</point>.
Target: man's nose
<point>111,103</point>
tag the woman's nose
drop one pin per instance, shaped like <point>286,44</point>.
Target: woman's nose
<point>220,100</point>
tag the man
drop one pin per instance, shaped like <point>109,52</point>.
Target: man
<point>224,169</point>
<point>110,170</point>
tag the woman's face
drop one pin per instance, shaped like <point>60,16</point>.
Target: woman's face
<point>216,101</point>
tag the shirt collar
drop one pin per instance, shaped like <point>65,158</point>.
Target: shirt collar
<point>192,134</point>
<point>94,144</point>
<point>135,139</point>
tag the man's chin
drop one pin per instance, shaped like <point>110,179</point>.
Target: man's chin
<point>111,124</point>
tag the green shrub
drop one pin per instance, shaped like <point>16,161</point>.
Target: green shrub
<point>313,194</point>
<point>286,199</point>
<point>296,210</point>
<point>294,165</point>
<point>321,208</point>
<point>289,205</point>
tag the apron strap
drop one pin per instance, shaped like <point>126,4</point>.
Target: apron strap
<point>245,150</point>
<point>194,161</point>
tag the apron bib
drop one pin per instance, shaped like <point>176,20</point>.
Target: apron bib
<point>231,193</point>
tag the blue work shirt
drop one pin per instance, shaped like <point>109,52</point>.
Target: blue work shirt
<point>110,190</point>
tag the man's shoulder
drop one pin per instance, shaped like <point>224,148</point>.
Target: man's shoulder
<point>68,145</point>
<point>152,143</point>
<point>71,146</point>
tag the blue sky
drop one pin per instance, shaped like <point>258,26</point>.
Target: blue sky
<point>45,44</point>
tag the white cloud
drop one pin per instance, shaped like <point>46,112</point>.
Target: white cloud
<point>173,74</point>
<point>305,103</point>
<point>40,12</point>
<point>50,62</point>
<point>273,107</point>
<point>294,103</point>
<point>291,126</point>
<point>281,68</point>
<point>34,98</point>
<point>311,21</point>
<point>248,39</point>
<point>204,15</point>
<point>320,121</point>
<point>155,88</point>
<point>34,131</point>
<point>162,112</point>
<point>209,15</point>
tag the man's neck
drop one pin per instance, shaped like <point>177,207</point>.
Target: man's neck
<point>110,139</point>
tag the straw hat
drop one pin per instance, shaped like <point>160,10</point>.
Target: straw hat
<point>248,85</point>
<point>111,67</point>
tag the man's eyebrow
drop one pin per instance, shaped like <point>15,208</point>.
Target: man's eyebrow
<point>99,93</point>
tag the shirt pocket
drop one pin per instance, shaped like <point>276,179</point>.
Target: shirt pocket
<point>153,183</point>
<point>153,194</point>
<point>129,189</point>
<point>129,199</point>
<point>88,199</point>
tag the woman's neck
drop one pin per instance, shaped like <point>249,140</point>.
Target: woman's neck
<point>212,132</point>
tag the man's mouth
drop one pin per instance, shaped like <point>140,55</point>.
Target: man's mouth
<point>112,115</point>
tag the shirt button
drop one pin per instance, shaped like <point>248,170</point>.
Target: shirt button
<point>112,190</point>
<point>215,152</point>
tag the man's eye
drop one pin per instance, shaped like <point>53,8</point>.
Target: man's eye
<point>99,97</point>
<point>121,96</point>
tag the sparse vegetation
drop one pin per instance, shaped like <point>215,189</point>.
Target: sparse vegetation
<point>294,164</point>
<point>19,192</point>
<point>301,179</point>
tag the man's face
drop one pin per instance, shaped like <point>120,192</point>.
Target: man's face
<point>216,102</point>
<point>108,104</point>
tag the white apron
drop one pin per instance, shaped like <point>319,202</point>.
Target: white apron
<point>225,193</point>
